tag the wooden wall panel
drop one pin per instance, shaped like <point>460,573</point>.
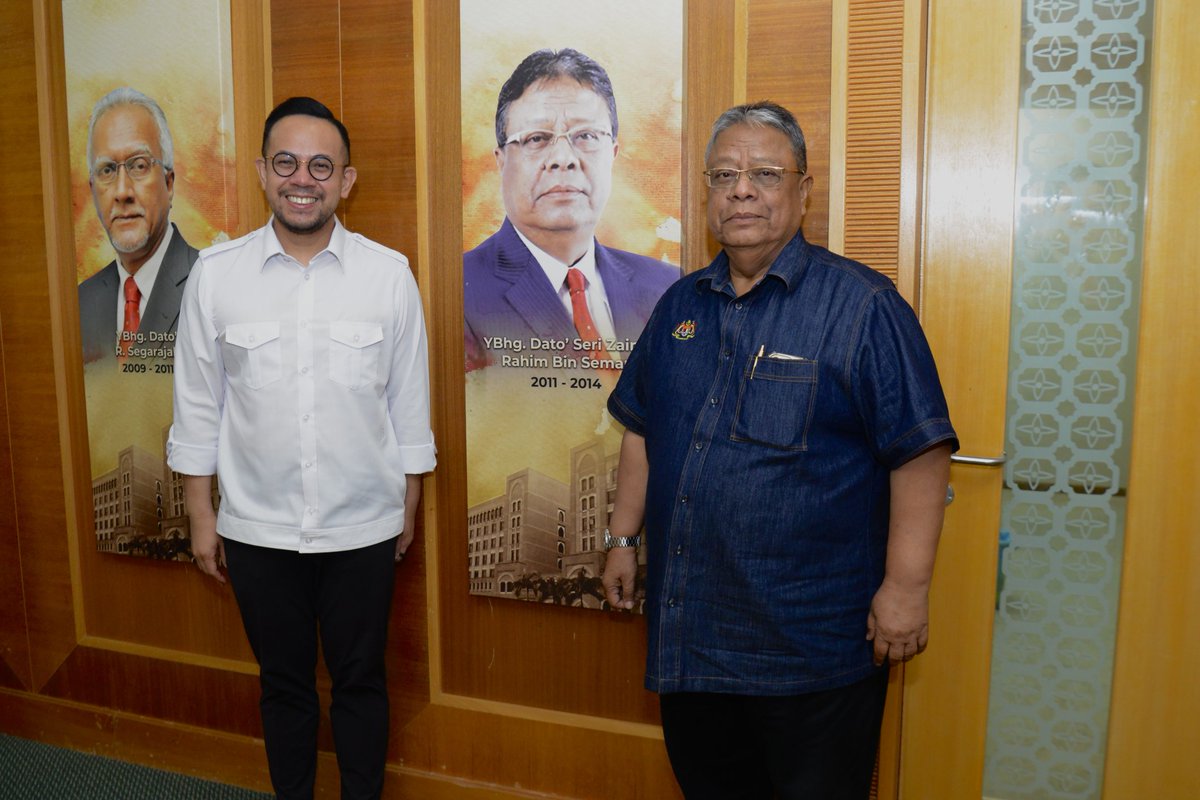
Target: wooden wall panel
<point>29,355</point>
<point>1153,736</point>
<point>710,75</point>
<point>559,659</point>
<point>484,693</point>
<point>377,89</point>
<point>14,638</point>
<point>788,61</point>
<point>119,604</point>
<point>365,76</point>
<point>306,50</point>
<point>874,118</point>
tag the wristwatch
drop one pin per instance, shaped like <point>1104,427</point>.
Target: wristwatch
<point>611,541</point>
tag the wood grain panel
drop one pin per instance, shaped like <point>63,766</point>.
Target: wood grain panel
<point>538,757</point>
<point>228,758</point>
<point>14,638</point>
<point>1153,737</point>
<point>377,81</point>
<point>543,657</point>
<point>306,52</point>
<point>710,68</point>
<point>250,40</point>
<point>29,356</point>
<point>968,220</point>
<point>788,61</point>
<point>874,119</point>
<point>120,598</point>
<point>151,687</point>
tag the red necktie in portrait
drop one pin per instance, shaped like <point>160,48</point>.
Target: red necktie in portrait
<point>577,285</point>
<point>133,317</point>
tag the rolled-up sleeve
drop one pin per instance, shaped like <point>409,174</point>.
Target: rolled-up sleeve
<point>199,383</point>
<point>408,382</point>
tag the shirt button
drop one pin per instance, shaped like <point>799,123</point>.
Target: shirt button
<point>307,276</point>
<point>252,337</point>
<point>356,337</point>
<point>671,602</point>
<point>308,465</point>
<point>683,499</point>
<point>699,445</point>
<point>727,354</point>
<point>304,370</point>
<point>305,418</point>
<point>308,540</point>
<point>712,401</point>
<point>738,306</point>
<point>679,550</point>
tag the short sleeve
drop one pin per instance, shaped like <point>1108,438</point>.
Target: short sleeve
<point>898,391</point>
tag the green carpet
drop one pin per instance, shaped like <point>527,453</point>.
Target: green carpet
<point>35,771</point>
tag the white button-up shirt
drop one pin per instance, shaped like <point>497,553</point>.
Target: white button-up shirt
<point>304,389</point>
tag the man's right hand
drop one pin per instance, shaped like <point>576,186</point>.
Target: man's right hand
<point>208,549</point>
<point>620,571</point>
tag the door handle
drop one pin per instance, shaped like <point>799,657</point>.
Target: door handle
<point>973,461</point>
<point>979,461</point>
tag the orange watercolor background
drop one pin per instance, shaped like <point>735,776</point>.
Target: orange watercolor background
<point>177,53</point>
<point>639,43</point>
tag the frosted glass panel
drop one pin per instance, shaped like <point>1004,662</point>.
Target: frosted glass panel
<point>1073,347</point>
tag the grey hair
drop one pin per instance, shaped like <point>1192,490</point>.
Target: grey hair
<point>127,96</point>
<point>764,113</point>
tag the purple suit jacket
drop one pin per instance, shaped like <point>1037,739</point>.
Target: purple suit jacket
<point>507,295</point>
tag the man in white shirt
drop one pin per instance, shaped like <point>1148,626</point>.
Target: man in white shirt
<point>131,171</point>
<point>302,383</point>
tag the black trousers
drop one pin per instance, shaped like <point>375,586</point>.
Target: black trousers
<point>818,746</point>
<point>287,600</point>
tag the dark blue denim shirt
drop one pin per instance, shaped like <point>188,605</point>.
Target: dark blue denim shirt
<point>767,499</point>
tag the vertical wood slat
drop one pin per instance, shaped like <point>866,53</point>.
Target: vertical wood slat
<point>874,113</point>
<point>709,71</point>
<point>27,311</point>
<point>18,86</point>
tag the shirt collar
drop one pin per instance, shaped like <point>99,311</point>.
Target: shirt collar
<point>144,277</point>
<point>787,267</point>
<point>273,249</point>
<point>556,271</point>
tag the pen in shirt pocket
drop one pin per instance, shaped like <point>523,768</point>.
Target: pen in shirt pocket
<point>774,355</point>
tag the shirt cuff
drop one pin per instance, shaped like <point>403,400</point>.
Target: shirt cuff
<point>625,415</point>
<point>418,459</point>
<point>190,459</point>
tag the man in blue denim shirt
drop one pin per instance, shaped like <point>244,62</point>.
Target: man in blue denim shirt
<point>787,447</point>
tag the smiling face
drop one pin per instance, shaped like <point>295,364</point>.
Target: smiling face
<point>557,192</point>
<point>745,218</point>
<point>133,212</point>
<point>303,206</point>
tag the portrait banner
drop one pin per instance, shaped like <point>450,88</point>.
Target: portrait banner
<point>571,165</point>
<point>153,181</point>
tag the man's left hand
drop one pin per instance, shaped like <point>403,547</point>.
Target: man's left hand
<point>403,542</point>
<point>898,623</point>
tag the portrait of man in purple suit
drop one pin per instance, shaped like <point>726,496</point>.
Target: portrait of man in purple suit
<point>543,280</point>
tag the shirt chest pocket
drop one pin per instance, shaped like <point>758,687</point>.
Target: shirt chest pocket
<point>354,352</point>
<point>252,353</point>
<point>775,403</point>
